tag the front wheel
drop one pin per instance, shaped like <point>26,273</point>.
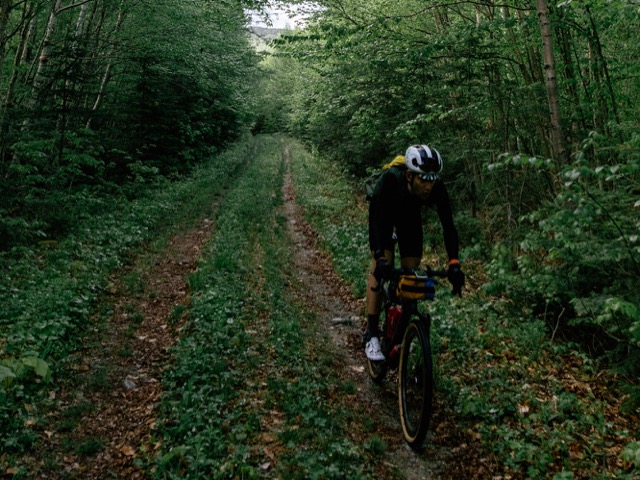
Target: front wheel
<point>415,383</point>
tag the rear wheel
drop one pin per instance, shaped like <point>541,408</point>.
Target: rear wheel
<point>415,383</point>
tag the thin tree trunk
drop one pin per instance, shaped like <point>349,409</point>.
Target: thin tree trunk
<point>93,47</point>
<point>4,21</point>
<point>440,19</point>
<point>526,75</point>
<point>43,59</point>
<point>557,138</point>
<point>78,46</point>
<point>533,55</point>
<point>27,52</point>
<point>17,61</point>
<point>107,73</point>
<point>533,74</point>
<point>602,61</point>
<point>564,41</point>
<point>5,9</point>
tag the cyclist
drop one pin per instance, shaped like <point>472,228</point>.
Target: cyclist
<point>396,205</point>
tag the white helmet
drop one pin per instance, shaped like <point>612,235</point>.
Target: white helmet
<point>424,161</point>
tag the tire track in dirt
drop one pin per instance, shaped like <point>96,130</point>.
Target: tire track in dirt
<point>118,386</point>
<point>342,316</point>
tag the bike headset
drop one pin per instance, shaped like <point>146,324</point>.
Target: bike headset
<point>424,161</point>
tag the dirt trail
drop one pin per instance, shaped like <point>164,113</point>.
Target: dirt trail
<point>342,315</point>
<point>110,409</point>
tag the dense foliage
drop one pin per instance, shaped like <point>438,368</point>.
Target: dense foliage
<point>98,97</point>
<point>380,75</point>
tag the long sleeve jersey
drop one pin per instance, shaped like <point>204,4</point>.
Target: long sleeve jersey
<point>392,205</point>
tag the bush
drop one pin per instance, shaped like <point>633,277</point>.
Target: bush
<point>577,265</point>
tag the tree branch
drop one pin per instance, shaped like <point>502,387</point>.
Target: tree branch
<point>68,7</point>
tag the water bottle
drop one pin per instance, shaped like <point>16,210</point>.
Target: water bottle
<point>393,354</point>
<point>394,312</point>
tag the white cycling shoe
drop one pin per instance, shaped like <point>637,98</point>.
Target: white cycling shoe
<point>373,351</point>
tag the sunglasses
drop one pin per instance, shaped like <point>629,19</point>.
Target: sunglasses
<point>429,177</point>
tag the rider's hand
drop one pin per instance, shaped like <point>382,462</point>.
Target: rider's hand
<point>456,277</point>
<point>383,270</point>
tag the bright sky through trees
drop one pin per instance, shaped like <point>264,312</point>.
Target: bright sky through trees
<point>292,16</point>
<point>279,18</point>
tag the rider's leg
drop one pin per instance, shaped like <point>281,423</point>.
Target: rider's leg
<point>373,298</point>
<point>410,262</point>
<point>372,348</point>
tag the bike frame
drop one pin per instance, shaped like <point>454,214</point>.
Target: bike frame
<point>409,311</point>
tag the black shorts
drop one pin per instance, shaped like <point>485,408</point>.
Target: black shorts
<point>408,227</point>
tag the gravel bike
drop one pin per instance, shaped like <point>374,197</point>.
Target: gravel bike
<point>405,343</point>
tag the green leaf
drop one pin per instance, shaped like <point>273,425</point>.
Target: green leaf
<point>631,453</point>
<point>40,367</point>
<point>6,376</point>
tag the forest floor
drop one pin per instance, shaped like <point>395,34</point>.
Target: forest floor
<point>106,415</point>
<point>115,391</point>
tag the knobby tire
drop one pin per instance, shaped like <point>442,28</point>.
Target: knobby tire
<point>415,383</point>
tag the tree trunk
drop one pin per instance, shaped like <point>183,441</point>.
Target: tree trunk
<point>27,51</point>
<point>557,138</point>
<point>107,73</point>
<point>5,8</point>
<point>602,62</point>
<point>39,79</point>
<point>43,59</point>
<point>17,61</point>
<point>526,75</point>
<point>78,46</point>
<point>579,126</point>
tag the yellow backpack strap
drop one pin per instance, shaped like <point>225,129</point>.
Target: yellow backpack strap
<point>371,183</point>
<point>399,160</point>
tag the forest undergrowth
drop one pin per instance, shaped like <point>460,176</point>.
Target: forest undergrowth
<point>253,391</point>
<point>56,298</point>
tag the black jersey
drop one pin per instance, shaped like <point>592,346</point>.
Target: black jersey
<point>392,206</point>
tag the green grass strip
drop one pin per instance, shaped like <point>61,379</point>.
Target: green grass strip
<point>246,396</point>
<point>337,213</point>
